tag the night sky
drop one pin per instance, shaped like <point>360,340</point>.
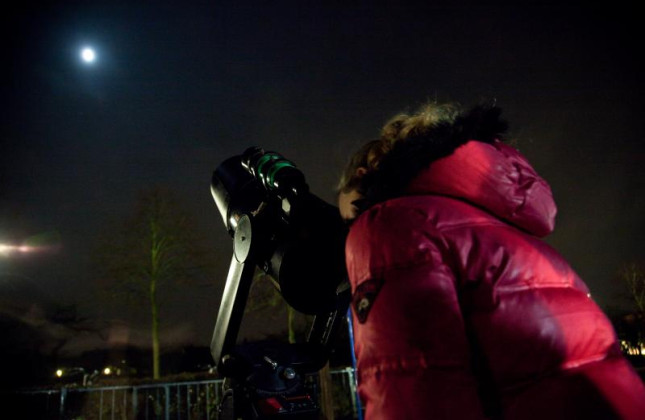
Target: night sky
<point>178,88</point>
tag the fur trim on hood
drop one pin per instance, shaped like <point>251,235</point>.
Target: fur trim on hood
<point>414,154</point>
<point>466,160</point>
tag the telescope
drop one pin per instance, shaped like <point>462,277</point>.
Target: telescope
<point>281,228</point>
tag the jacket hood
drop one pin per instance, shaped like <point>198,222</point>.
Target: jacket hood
<point>493,176</point>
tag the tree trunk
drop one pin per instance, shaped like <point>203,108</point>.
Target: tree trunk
<point>326,396</point>
<point>155,261</point>
<point>290,324</point>
<point>155,330</point>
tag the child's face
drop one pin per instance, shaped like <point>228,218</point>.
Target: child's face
<point>345,200</point>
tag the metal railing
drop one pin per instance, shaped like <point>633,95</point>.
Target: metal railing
<point>167,401</point>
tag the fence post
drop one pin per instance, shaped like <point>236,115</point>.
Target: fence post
<point>101,406</point>
<point>113,402</point>
<point>135,402</point>
<point>207,404</point>
<point>167,402</point>
<point>61,408</point>
<point>188,402</point>
<point>178,396</point>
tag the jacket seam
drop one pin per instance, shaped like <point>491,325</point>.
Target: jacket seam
<point>495,223</point>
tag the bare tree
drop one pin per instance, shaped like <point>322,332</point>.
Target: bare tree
<point>264,296</point>
<point>631,326</point>
<point>155,246</point>
<point>634,277</point>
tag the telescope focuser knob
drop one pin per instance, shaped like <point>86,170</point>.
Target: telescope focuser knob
<point>289,373</point>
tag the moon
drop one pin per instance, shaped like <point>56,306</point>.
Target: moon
<point>88,55</point>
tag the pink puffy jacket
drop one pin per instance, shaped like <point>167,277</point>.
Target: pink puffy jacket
<point>460,312</point>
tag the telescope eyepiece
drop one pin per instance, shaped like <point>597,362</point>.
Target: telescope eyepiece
<point>274,171</point>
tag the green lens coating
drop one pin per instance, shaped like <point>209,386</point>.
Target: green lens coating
<point>264,159</point>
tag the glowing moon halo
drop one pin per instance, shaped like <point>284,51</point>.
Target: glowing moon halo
<point>88,55</point>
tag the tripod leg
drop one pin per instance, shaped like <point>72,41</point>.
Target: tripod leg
<point>231,310</point>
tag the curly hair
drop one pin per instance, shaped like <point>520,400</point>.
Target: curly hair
<point>382,168</point>
<point>429,116</point>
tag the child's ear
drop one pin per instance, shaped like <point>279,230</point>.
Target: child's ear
<point>360,171</point>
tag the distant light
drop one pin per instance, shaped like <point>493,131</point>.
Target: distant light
<point>88,55</point>
<point>59,373</point>
<point>107,371</point>
<point>6,250</point>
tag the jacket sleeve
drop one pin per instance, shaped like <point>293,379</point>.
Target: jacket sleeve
<point>409,332</point>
